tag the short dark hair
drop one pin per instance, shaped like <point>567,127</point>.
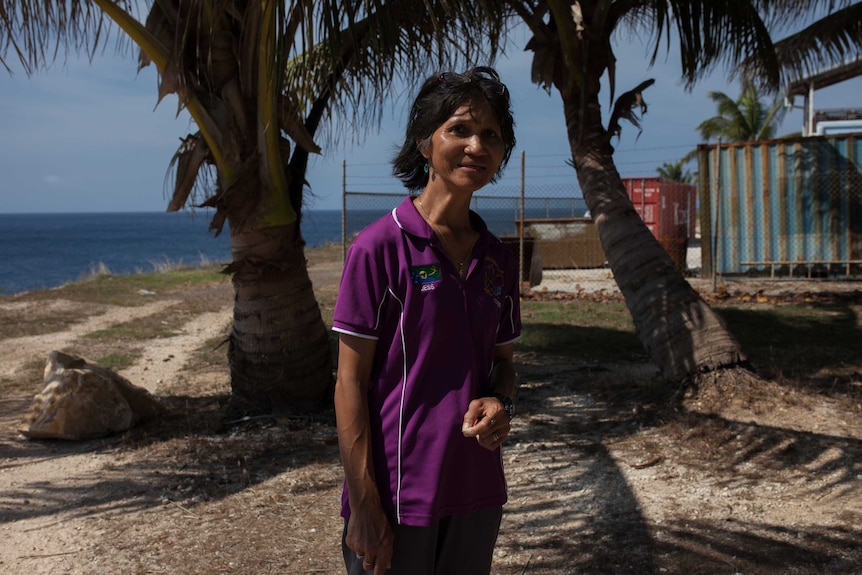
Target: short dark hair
<point>439,97</point>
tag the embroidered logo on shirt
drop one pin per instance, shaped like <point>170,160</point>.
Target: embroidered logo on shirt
<point>424,275</point>
<point>493,278</point>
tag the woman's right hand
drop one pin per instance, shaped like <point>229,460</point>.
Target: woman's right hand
<point>370,535</point>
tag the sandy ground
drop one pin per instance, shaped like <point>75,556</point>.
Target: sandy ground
<point>767,486</point>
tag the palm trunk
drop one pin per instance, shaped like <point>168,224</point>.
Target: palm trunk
<point>681,333</point>
<point>279,349</point>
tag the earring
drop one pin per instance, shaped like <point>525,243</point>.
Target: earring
<point>425,169</point>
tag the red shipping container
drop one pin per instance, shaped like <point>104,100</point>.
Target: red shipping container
<point>668,210</point>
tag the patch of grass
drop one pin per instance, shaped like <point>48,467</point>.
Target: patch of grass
<point>820,343</point>
<point>33,320</point>
<point>326,301</point>
<point>117,361</point>
<point>138,329</point>
<point>131,290</point>
<point>582,328</point>
<point>327,253</point>
<point>213,353</point>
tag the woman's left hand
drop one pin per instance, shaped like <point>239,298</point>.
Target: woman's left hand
<point>487,421</point>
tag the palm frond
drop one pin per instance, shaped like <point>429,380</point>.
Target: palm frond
<point>387,46</point>
<point>710,33</point>
<point>771,120</point>
<point>780,15</point>
<point>544,44</point>
<point>570,24</point>
<point>36,32</point>
<point>832,40</point>
<point>187,163</point>
<point>717,32</point>
<point>675,171</point>
<point>743,119</point>
<point>276,209</point>
<point>627,107</point>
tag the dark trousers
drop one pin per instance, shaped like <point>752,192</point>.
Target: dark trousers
<point>458,545</point>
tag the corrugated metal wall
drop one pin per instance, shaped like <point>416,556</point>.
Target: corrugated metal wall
<point>782,207</point>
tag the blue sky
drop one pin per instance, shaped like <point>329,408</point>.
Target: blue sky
<point>88,137</point>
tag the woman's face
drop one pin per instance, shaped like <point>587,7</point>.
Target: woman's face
<point>465,152</point>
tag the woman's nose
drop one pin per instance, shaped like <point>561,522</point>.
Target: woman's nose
<point>475,144</point>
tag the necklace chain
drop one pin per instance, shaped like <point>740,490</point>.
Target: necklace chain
<point>435,229</point>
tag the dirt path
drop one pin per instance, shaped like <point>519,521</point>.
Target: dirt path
<point>49,492</point>
<point>20,350</point>
<point>163,358</point>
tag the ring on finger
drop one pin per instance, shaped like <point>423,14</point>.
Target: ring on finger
<point>493,421</point>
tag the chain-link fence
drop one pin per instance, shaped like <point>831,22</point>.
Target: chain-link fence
<point>503,215</point>
<point>782,209</point>
<point>545,224</point>
<point>789,208</point>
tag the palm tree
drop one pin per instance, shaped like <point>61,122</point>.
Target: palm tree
<point>571,44</point>
<point>744,119</point>
<point>675,172</point>
<point>258,78</point>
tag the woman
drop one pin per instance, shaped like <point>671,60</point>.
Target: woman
<point>427,314</point>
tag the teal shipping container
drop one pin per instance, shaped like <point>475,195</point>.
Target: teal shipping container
<point>782,208</point>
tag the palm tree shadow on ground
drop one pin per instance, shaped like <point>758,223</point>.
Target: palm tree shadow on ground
<point>585,430</point>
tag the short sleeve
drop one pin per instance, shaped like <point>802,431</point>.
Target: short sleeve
<point>361,294</point>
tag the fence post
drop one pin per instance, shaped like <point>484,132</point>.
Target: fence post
<point>716,229</point>
<point>343,210</point>
<point>521,226</point>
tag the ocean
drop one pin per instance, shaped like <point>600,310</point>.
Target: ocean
<point>41,251</point>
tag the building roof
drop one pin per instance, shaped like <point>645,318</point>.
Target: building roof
<point>825,78</point>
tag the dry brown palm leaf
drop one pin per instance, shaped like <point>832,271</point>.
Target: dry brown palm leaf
<point>188,160</point>
<point>290,120</point>
<point>627,107</point>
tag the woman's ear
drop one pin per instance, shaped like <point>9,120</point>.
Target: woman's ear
<point>422,146</point>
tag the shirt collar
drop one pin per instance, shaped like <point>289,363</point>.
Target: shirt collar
<point>409,219</point>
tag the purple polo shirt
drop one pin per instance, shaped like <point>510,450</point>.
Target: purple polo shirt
<point>436,336</point>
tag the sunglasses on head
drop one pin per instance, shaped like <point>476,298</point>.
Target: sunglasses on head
<point>452,79</point>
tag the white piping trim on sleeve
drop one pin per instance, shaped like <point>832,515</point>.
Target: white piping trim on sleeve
<point>513,340</point>
<point>355,333</point>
